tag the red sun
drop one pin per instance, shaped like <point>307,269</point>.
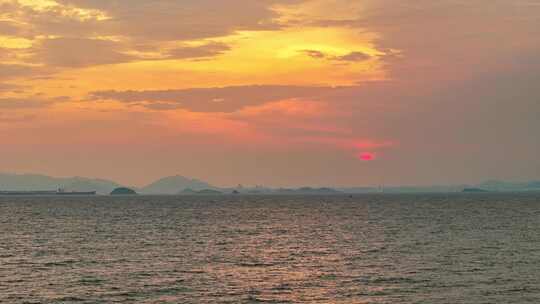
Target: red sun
<point>367,156</point>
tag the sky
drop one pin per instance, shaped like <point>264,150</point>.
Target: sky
<point>273,92</point>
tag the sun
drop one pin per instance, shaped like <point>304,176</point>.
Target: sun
<point>367,156</point>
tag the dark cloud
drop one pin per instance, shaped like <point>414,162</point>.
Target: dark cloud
<point>226,99</point>
<point>371,98</point>
<point>9,71</point>
<point>175,20</point>
<point>22,103</point>
<point>138,22</point>
<point>82,52</point>
<point>36,101</point>
<point>461,95</point>
<point>8,87</point>
<point>314,53</point>
<point>54,21</point>
<point>79,52</point>
<point>443,39</point>
<point>8,28</point>
<point>351,57</point>
<point>207,50</point>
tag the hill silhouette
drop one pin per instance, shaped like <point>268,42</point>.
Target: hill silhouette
<point>175,184</point>
<point>190,191</point>
<point>123,191</point>
<point>178,184</point>
<point>33,182</point>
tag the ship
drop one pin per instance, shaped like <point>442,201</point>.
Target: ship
<point>60,191</point>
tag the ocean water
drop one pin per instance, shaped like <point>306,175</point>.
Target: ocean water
<point>425,248</point>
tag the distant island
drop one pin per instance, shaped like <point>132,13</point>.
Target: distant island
<point>474,190</point>
<point>308,191</point>
<point>172,185</point>
<point>34,184</point>
<point>190,191</point>
<point>123,191</point>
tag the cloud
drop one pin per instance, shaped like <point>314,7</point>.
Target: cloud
<point>79,52</point>
<point>32,102</point>
<point>314,53</point>
<point>34,21</point>
<point>10,119</point>
<point>454,104</point>
<point>290,119</point>
<point>372,145</point>
<point>8,28</point>
<point>276,114</point>
<point>354,56</point>
<point>80,33</point>
<point>160,20</point>
<point>9,71</point>
<point>301,123</point>
<point>6,87</point>
<point>225,99</point>
<point>282,109</point>
<point>82,52</point>
<point>207,50</point>
<point>21,103</point>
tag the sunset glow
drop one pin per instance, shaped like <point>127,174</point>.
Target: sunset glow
<point>269,151</point>
<point>316,80</point>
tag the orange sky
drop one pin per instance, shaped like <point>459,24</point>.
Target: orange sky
<point>281,92</point>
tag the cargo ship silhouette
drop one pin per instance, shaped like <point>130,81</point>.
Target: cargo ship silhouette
<point>60,191</point>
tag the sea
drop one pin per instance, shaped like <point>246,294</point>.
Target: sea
<point>365,248</point>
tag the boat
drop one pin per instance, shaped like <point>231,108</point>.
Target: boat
<point>77,193</point>
<point>60,191</point>
<point>28,192</point>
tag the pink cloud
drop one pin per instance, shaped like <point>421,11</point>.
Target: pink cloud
<point>373,144</point>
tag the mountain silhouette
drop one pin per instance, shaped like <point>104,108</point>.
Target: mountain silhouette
<point>178,184</point>
<point>37,182</point>
<point>175,184</point>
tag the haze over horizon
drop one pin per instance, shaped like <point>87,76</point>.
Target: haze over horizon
<point>27,180</point>
<point>272,92</point>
